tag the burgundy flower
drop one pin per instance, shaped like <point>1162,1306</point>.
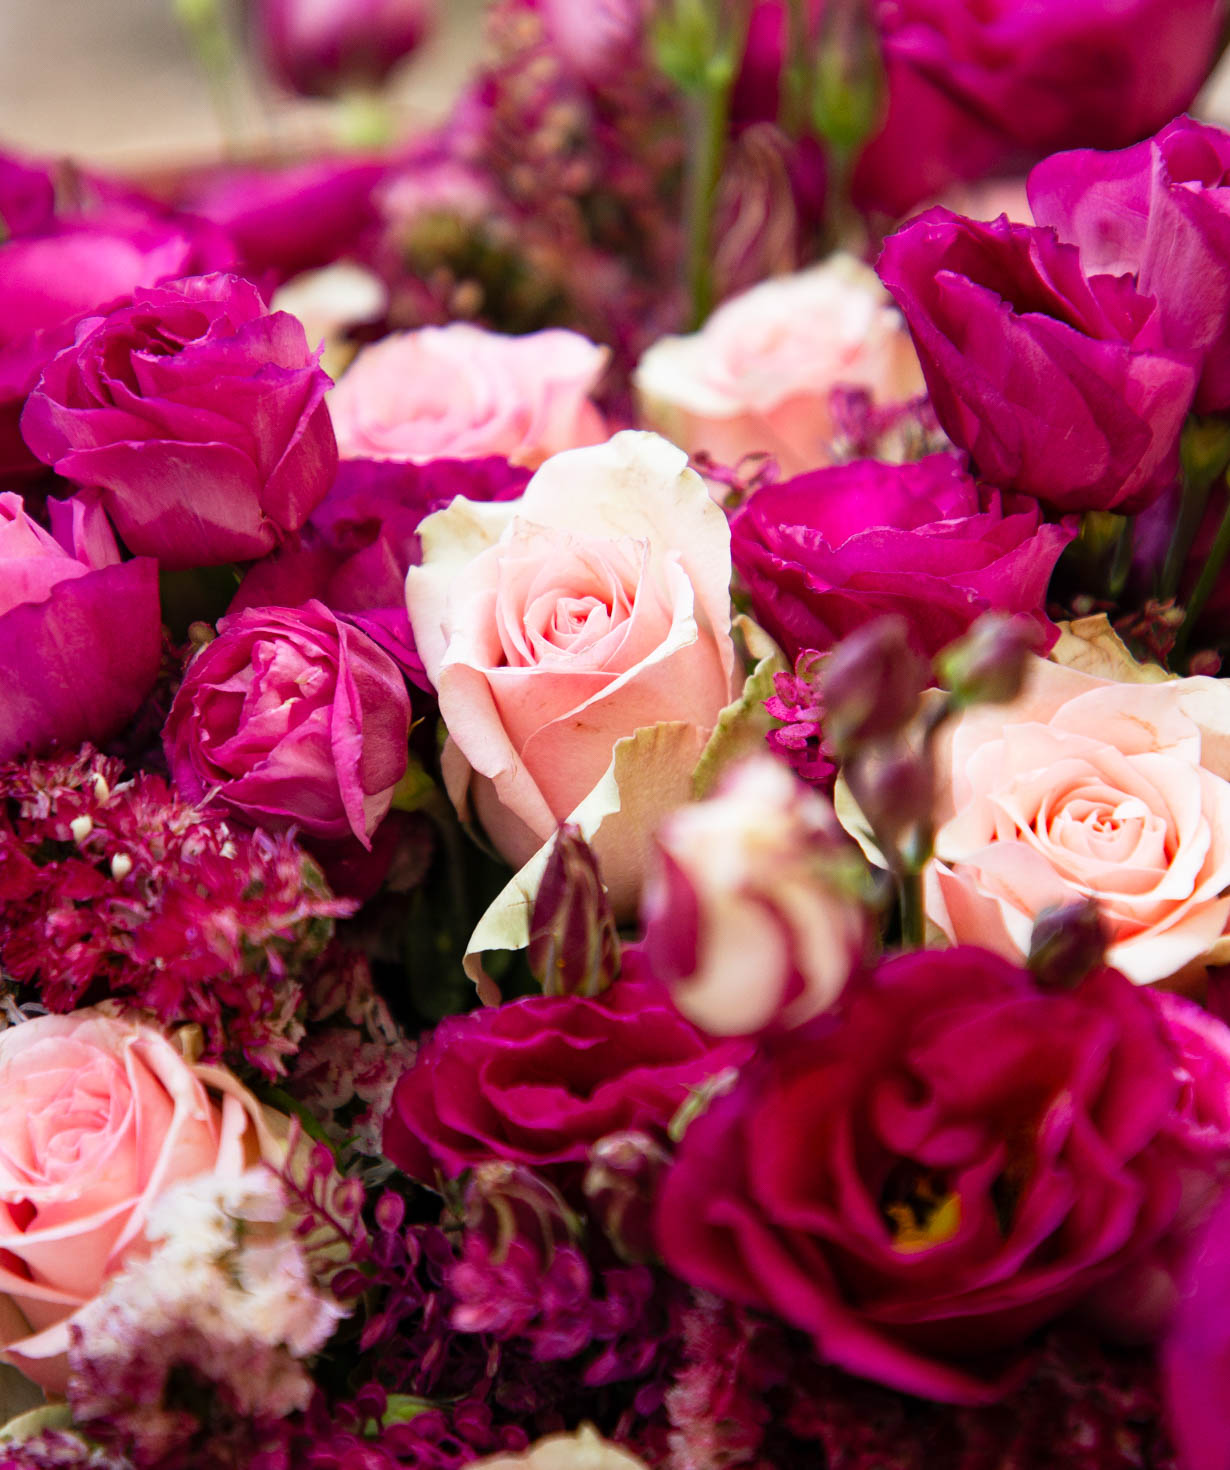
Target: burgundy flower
<point>199,413</point>
<point>80,630</point>
<point>954,1163</point>
<point>354,552</point>
<point>1059,386</point>
<point>1196,1354</point>
<point>537,1081</point>
<point>317,50</point>
<point>1160,212</point>
<point>291,717</point>
<point>826,552</point>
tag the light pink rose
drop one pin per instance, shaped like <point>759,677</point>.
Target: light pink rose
<point>585,1450</point>
<point>1087,787</point>
<point>98,1117</point>
<point>759,374</point>
<point>459,392</point>
<point>595,606</point>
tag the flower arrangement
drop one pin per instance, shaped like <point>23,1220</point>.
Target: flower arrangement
<point>642,881</point>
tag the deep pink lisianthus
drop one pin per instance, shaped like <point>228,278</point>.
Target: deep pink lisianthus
<point>319,49</point>
<point>537,1081</point>
<point>1160,212</point>
<point>826,552</point>
<point>200,415</point>
<point>953,1164</point>
<point>971,89</point>
<point>291,717</point>
<point>80,631</point>
<point>356,548</point>
<point>1196,1354</point>
<point>1058,385</point>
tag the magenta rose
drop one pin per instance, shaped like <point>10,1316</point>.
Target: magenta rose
<point>317,50</point>
<point>537,1081</point>
<point>1058,385</point>
<point>1196,1354</point>
<point>361,539</point>
<point>826,552</point>
<point>958,1160</point>
<point>200,415</point>
<point>80,630</point>
<point>291,717</point>
<point>1159,212</point>
<point>973,89</point>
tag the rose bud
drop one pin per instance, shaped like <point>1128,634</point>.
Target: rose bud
<point>199,413</point>
<point>1068,943</point>
<point>80,630</point>
<point>1057,385</point>
<point>507,1202</point>
<point>896,792</point>
<point>621,1185</point>
<point>291,717</point>
<point>573,949</point>
<point>870,684</point>
<point>988,665</point>
<point>318,50</point>
<point>745,915</point>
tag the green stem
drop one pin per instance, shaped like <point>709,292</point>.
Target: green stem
<point>913,911</point>
<point>711,113</point>
<point>1121,559</point>
<point>1195,499</point>
<point>210,37</point>
<point>1203,589</point>
<point>794,83</point>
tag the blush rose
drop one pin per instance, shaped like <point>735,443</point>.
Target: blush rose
<point>99,1116</point>
<point>459,392</point>
<point>595,606</point>
<point>1087,787</point>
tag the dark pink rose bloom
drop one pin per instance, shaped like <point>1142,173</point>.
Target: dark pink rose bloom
<point>317,50</point>
<point>828,551</point>
<point>80,630</point>
<point>200,415</point>
<point>287,220</point>
<point>538,1081</point>
<point>976,89</point>
<point>359,542</point>
<point>1057,385</point>
<point>952,1163</point>
<point>27,196</point>
<point>1159,212</point>
<point>291,717</point>
<point>1196,1354</point>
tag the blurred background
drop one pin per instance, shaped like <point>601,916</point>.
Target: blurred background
<point>115,82</point>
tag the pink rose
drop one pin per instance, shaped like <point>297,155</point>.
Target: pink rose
<point>1087,787</point>
<point>98,1117</point>
<point>459,392</point>
<point>552,626</point>
<point>759,374</point>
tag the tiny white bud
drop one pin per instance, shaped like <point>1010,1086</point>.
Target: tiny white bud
<point>121,866</point>
<point>81,827</point>
<point>102,792</point>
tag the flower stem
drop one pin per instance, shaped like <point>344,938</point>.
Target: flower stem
<point>1203,589</point>
<point>913,911</point>
<point>710,116</point>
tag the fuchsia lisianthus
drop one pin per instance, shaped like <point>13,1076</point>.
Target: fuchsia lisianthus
<point>98,1117</point>
<point>1159,212</point>
<point>460,392</point>
<point>538,1081</point>
<point>1058,385</point>
<point>80,630</point>
<point>291,717</point>
<point>824,553</point>
<point>951,1164</point>
<point>200,415</point>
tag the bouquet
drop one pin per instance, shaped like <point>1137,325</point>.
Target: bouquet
<point>614,777</point>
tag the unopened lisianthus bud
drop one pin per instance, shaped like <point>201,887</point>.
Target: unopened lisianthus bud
<point>870,684</point>
<point>621,1185</point>
<point>1068,943</point>
<point>573,949</point>
<point>750,915</point>
<point>896,793</point>
<point>507,1202</point>
<point>988,665</point>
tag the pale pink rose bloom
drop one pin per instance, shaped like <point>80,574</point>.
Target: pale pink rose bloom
<point>595,606</point>
<point>1086,787</point>
<point>585,1450</point>
<point>98,1117</point>
<point>741,919</point>
<point>758,375</point>
<point>459,392</point>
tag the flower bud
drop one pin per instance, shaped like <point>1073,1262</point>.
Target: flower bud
<point>870,684</point>
<point>988,665</point>
<point>507,1202</point>
<point>749,915</point>
<point>896,793</point>
<point>318,50</point>
<point>573,949</point>
<point>1068,943</point>
<point>621,1185</point>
